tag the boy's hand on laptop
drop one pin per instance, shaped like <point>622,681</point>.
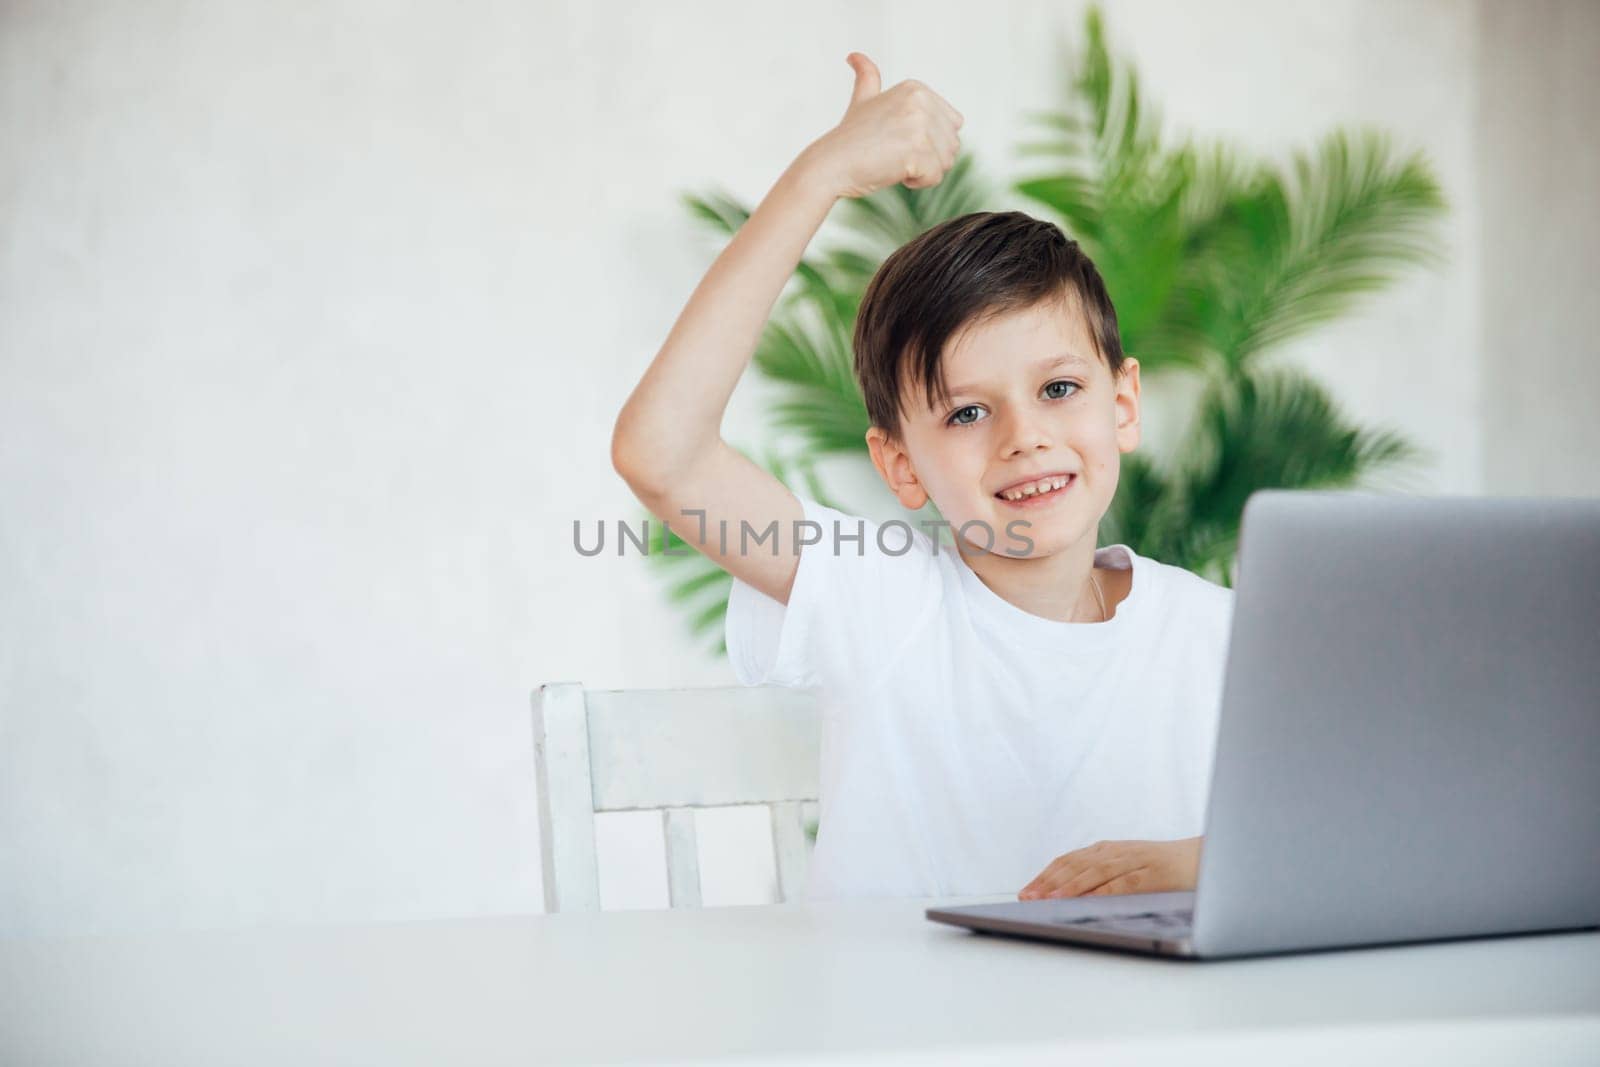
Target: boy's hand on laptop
<point>1107,867</point>
<point>906,134</point>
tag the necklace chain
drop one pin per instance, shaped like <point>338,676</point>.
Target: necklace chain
<point>1104,617</point>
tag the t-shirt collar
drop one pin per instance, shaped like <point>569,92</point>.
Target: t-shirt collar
<point>1051,633</point>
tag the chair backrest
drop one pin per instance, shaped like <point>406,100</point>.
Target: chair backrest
<point>602,750</point>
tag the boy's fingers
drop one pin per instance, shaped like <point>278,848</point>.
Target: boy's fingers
<point>1089,870</point>
<point>1053,877</point>
<point>1038,881</point>
<point>1069,866</point>
<point>1128,882</point>
<point>950,112</point>
<point>946,141</point>
<point>1041,880</point>
<point>1090,878</point>
<point>931,170</point>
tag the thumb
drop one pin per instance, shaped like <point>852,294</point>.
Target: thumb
<point>867,80</point>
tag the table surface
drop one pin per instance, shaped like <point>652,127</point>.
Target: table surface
<point>852,981</point>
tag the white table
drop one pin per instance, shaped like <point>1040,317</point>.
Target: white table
<point>859,982</point>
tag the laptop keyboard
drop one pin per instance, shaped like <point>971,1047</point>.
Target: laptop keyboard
<point>1179,923</point>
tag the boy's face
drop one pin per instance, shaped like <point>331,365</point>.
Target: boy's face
<point>1028,398</point>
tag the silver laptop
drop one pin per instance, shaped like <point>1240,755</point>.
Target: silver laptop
<point>1409,741</point>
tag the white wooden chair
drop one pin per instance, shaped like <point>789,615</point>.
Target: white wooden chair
<point>603,750</point>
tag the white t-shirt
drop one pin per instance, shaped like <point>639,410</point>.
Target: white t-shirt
<point>966,742</point>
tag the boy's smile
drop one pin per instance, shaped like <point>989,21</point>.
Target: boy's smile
<point>1036,492</point>
<point>1027,447</point>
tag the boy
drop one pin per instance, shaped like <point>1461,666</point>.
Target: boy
<point>1024,696</point>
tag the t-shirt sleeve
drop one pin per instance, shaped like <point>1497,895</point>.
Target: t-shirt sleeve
<point>855,602</point>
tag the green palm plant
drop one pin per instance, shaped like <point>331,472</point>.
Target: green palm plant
<point>1212,260</point>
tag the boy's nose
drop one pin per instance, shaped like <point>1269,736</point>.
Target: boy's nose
<point>1023,434</point>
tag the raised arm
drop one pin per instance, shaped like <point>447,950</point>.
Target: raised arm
<point>667,443</point>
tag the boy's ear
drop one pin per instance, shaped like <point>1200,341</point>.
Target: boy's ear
<point>894,464</point>
<point>1127,403</point>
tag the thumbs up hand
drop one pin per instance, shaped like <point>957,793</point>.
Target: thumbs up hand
<point>907,134</point>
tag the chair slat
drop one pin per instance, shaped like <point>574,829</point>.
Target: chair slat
<point>789,849</point>
<point>683,858</point>
<point>566,811</point>
<point>672,750</point>
<point>703,747</point>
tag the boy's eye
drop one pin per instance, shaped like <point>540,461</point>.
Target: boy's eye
<point>968,415</point>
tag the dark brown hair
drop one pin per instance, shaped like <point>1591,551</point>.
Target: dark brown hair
<point>962,272</point>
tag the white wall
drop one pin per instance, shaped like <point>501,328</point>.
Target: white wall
<point>1539,110</point>
<point>314,319</point>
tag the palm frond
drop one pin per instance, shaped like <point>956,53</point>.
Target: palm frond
<point>1178,332</point>
<point>718,210</point>
<point>1140,490</point>
<point>1265,429</point>
<point>1120,194</point>
<point>725,215</point>
<point>1300,249</point>
<point>1105,138</point>
<point>811,356</point>
<point>1207,254</point>
<point>820,418</point>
